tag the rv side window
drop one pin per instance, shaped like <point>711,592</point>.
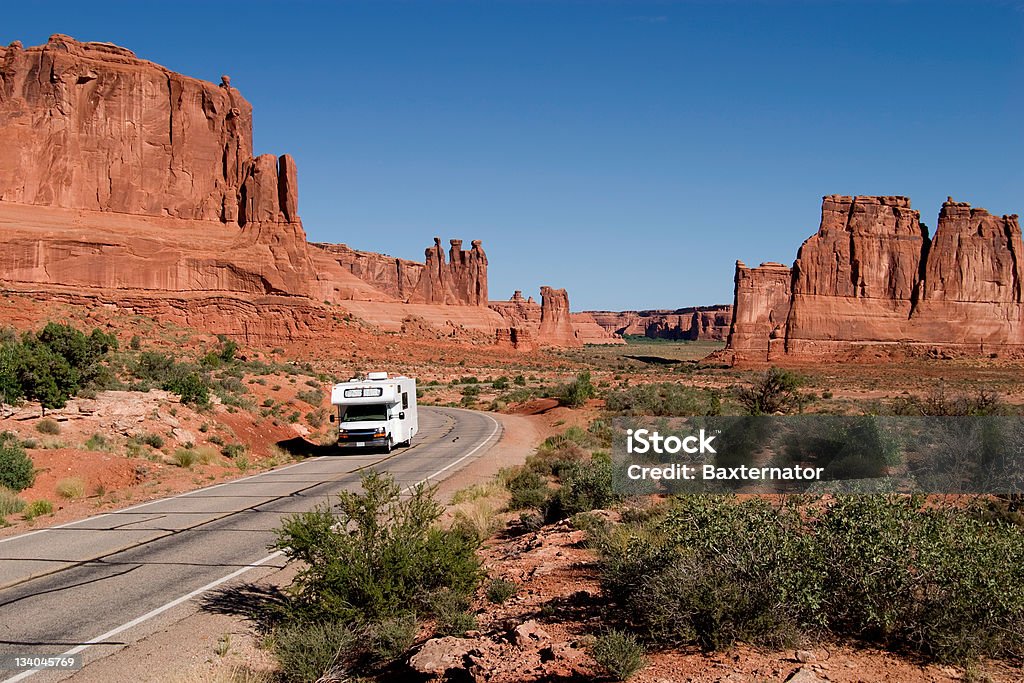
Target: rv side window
<point>405,399</point>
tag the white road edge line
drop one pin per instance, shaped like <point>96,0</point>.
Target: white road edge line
<point>153,502</point>
<point>213,584</point>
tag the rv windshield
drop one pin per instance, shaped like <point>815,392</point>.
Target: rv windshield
<point>366,413</point>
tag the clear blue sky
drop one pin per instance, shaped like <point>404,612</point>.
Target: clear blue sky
<point>628,151</point>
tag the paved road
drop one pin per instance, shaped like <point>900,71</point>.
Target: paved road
<point>87,587</point>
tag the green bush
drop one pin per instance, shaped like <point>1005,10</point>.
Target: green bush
<point>309,652</point>
<point>619,653</point>
<point>48,426</point>
<point>38,508</point>
<point>97,442</point>
<point>663,399</point>
<point>500,590</point>
<point>944,582</point>
<point>577,392</point>
<point>376,556</point>
<point>190,388</point>
<point>154,440</point>
<point>528,488</point>
<point>389,638</point>
<point>313,397</point>
<point>776,392</point>
<point>16,469</point>
<point>234,450</point>
<point>585,486</point>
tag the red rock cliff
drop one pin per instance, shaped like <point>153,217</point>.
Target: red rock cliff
<point>872,278</point>
<point>90,126</point>
<point>692,323</point>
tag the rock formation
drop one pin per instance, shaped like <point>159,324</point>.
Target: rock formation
<point>555,321</point>
<point>760,309</point>
<point>699,322</point>
<point>548,323</point>
<point>90,126</point>
<point>588,331</point>
<point>126,182</point>
<point>871,277</point>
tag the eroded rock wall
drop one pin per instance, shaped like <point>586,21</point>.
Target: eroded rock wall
<point>690,324</point>
<point>871,278</point>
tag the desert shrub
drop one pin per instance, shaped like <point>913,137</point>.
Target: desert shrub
<point>944,582</point>
<point>390,637</point>
<point>190,388</point>
<point>154,440</point>
<point>451,613</point>
<point>619,653</point>
<point>500,590</point>
<point>16,469</point>
<point>185,457</point>
<point>309,652</point>
<point>71,488</point>
<point>663,399</point>
<point>10,504</point>
<point>776,392</point>
<point>578,391</point>
<point>313,397</point>
<point>48,426</point>
<point>97,442</point>
<point>375,556</point>
<point>585,486</point>
<point>528,488</point>
<point>500,384</point>
<point>38,508</point>
<point>519,381</point>
<point>233,450</point>
<point>939,402</point>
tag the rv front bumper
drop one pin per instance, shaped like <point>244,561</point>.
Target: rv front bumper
<point>362,441</point>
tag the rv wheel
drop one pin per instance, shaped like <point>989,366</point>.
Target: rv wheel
<point>388,446</point>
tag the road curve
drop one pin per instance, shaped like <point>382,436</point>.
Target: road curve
<point>87,587</point>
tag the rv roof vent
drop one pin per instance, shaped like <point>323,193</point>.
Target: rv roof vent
<point>377,375</point>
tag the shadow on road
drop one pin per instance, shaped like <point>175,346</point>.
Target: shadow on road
<point>262,605</point>
<point>307,449</point>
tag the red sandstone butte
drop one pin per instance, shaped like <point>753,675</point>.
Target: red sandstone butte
<point>873,278</point>
<point>126,183</point>
<point>690,324</point>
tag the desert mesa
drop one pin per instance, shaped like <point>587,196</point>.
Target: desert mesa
<point>872,283</point>
<point>124,183</point>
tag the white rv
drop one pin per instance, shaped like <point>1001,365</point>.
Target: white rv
<point>378,411</point>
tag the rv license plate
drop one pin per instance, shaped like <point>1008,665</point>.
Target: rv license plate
<point>360,443</point>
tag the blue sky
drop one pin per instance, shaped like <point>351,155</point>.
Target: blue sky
<point>628,151</point>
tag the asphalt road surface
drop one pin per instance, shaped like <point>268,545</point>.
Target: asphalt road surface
<point>88,587</point>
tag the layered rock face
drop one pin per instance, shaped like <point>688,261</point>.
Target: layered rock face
<point>689,324</point>
<point>126,182</point>
<point>555,320</point>
<point>760,309</point>
<point>90,126</point>
<point>871,277</point>
<point>533,325</point>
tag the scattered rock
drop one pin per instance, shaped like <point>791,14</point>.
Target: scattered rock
<point>439,655</point>
<point>530,634</point>
<point>804,675</point>
<point>805,656</point>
